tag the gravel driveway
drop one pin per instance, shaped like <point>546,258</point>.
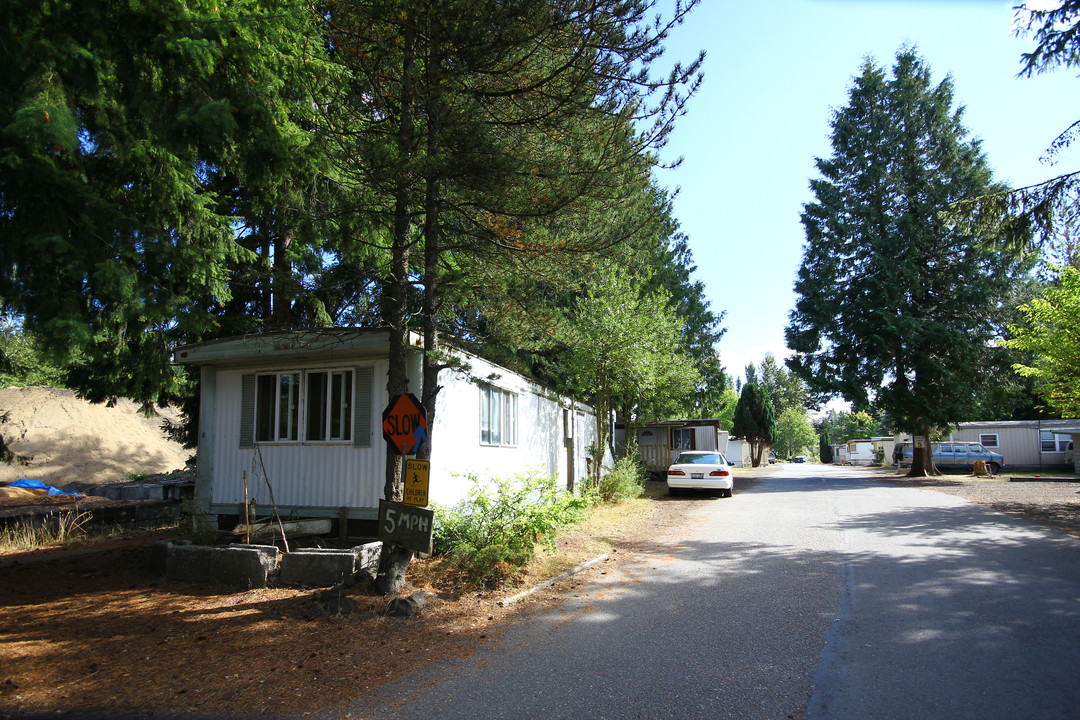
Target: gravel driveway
<point>1054,504</point>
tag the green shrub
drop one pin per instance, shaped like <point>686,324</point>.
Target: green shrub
<point>625,481</point>
<point>491,534</point>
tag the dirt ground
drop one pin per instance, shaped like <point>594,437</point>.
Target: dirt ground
<point>89,632</point>
<point>1045,500</point>
<point>61,440</point>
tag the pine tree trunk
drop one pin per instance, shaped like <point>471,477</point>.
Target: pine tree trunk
<point>432,240</point>
<point>281,282</point>
<point>394,560</point>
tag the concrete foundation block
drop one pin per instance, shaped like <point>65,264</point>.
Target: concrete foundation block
<point>317,568</point>
<point>112,492</point>
<point>187,562</point>
<point>367,556</point>
<point>132,492</point>
<point>241,567</point>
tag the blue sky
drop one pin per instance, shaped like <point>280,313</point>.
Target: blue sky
<point>773,72</point>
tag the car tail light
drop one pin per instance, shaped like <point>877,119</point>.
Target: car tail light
<point>675,472</point>
<point>719,473</point>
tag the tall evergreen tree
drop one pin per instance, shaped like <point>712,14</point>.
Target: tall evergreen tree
<point>895,306</point>
<point>118,122</point>
<point>474,121</point>
<point>755,420</point>
<point>1038,211</point>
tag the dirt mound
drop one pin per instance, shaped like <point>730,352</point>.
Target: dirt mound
<point>60,439</point>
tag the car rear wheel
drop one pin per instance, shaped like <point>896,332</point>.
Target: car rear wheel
<point>673,491</point>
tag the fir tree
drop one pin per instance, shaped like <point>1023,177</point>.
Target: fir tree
<point>896,307</point>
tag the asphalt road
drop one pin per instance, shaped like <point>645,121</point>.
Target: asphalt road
<point>812,594</point>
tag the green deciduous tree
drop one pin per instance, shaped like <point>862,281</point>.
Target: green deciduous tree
<point>1050,331</point>
<point>729,399</point>
<point>859,424</point>
<point>755,420</point>
<point>625,344</point>
<point>794,433</point>
<point>896,307</point>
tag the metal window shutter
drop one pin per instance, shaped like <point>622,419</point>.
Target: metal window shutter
<point>247,411</point>
<point>365,377</point>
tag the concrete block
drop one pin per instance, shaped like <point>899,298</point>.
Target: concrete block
<point>367,556</point>
<point>112,492</point>
<point>240,567</point>
<point>189,563</point>
<point>154,491</point>
<point>132,492</point>
<point>317,568</point>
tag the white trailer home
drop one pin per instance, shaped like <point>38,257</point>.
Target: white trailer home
<point>304,411</point>
<point>860,452</point>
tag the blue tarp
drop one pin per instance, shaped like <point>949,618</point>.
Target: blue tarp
<point>38,485</point>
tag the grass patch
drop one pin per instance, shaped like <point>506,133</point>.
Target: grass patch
<point>31,533</point>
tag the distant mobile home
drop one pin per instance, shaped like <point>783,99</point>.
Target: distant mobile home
<point>860,452</point>
<point>660,442</point>
<point>1025,444</point>
<point>304,410</point>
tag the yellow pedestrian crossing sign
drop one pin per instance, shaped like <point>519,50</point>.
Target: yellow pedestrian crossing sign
<point>416,483</point>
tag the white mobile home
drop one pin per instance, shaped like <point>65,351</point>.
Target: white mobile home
<point>860,452</point>
<point>738,453</point>
<point>304,411</point>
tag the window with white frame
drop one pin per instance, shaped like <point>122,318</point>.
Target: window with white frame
<point>989,440</point>
<point>323,398</point>
<point>1049,441</point>
<point>498,416</point>
<point>277,407</point>
<point>329,406</point>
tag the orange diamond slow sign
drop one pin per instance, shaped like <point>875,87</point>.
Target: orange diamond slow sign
<point>404,423</point>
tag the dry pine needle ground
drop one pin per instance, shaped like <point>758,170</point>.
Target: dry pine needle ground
<point>88,631</point>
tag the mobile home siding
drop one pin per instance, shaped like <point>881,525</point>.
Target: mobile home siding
<point>1018,445</point>
<point>1018,441</point>
<point>705,438</point>
<point>320,478</point>
<point>458,452</point>
<point>316,475</point>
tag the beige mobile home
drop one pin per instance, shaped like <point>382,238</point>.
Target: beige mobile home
<point>660,442</point>
<point>1024,444</point>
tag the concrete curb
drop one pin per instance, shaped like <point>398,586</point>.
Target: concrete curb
<point>548,583</point>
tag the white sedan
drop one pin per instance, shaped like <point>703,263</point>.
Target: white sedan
<point>701,470</point>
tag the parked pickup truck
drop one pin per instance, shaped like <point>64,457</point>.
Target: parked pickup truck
<point>958,455</point>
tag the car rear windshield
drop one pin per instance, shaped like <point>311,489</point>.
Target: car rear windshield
<point>709,459</point>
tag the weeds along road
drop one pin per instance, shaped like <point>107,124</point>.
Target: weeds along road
<point>812,593</point>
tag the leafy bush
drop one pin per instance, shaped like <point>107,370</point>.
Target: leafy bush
<point>625,481</point>
<point>491,534</point>
<point>22,359</point>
